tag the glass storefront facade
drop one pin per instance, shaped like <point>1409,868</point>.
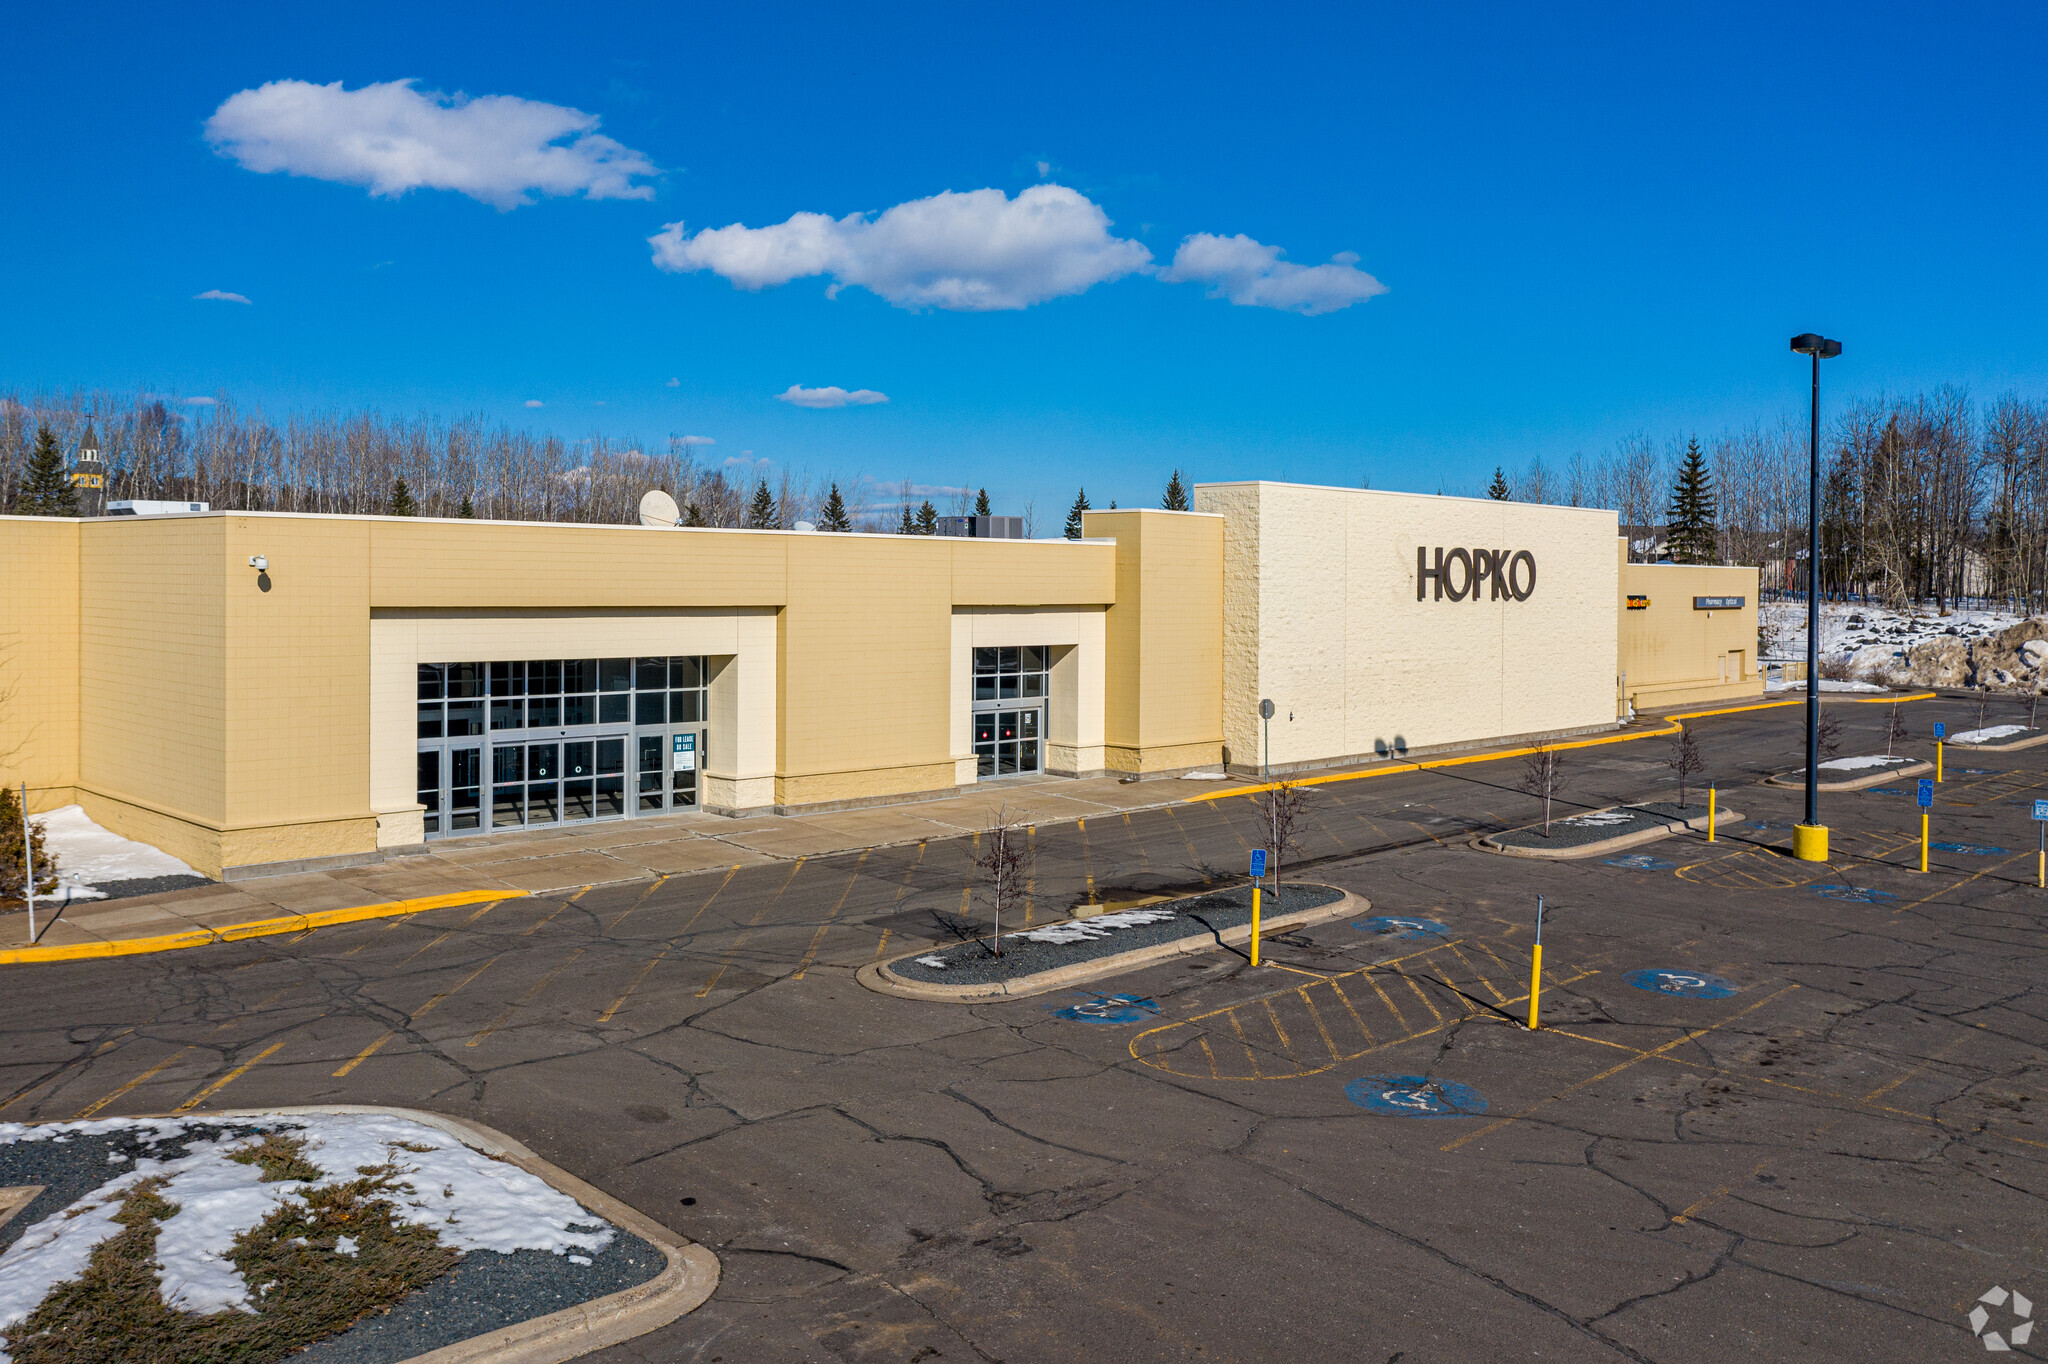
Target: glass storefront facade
<point>517,744</point>
<point>1010,687</point>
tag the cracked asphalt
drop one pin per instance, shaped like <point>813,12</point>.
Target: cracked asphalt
<point>1833,1162</point>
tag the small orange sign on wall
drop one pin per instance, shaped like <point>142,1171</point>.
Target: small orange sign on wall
<point>1638,602</point>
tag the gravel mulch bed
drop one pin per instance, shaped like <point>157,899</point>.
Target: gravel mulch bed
<point>1600,826</point>
<point>484,1292</point>
<point>976,964</point>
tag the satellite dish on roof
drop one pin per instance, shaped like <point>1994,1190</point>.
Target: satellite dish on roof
<point>657,508</point>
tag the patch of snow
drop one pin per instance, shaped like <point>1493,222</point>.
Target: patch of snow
<point>471,1201</point>
<point>1987,734</point>
<point>100,855</point>
<point>1101,926</point>
<point>1599,819</point>
<point>936,963</point>
<point>1218,775</point>
<point>580,1260</point>
<point>1867,635</point>
<point>346,1245</point>
<point>1826,684</point>
<point>1869,760</point>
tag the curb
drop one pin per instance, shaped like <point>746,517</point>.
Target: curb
<point>691,1275</point>
<point>878,977</point>
<point>2012,747</point>
<point>1487,843</point>
<point>1857,784</point>
<point>259,928</point>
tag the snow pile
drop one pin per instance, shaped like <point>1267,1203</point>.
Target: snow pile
<point>1995,649</point>
<point>1598,819</point>
<point>1989,734</point>
<point>470,1200</point>
<point>1779,684</point>
<point>1101,926</point>
<point>1854,764</point>
<point>937,963</point>
<point>98,855</point>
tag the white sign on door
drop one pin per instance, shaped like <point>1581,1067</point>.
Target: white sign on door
<point>686,752</point>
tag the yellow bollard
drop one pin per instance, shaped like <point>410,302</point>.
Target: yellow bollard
<point>1535,983</point>
<point>1810,842</point>
<point>1937,760</point>
<point>1711,793</point>
<point>1923,840</point>
<point>1255,924</point>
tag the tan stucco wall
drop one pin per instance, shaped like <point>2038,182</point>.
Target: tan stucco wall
<point>1321,616</point>
<point>39,632</point>
<point>1671,655</point>
<point>1163,700</point>
<point>1073,738</point>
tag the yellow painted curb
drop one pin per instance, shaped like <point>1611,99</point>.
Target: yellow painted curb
<point>1672,726</point>
<point>259,928</point>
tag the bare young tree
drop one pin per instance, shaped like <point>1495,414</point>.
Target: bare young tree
<point>1004,862</point>
<point>1830,731</point>
<point>1895,730</point>
<point>1686,760</point>
<point>1281,808</point>
<point>1543,776</point>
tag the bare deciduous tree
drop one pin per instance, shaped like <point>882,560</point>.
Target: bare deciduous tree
<point>1895,730</point>
<point>1830,732</point>
<point>1281,808</point>
<point>1686,760</point>
<point>1543,776</point>
<point>1004,862</point>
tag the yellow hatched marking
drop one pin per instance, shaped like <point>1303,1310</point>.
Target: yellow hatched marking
<point>1286,1042</point>
<point>1426,1003</point>
<point>224,1081</point>
<point>97,1104</point>
<point>1498,997</point>
<point>1251,1057</point>
<point>883,945</point>
<point>1399,1017</point>
<point>1316,1014</point>
<point>1367,1032</point>
<point>1214,1074</point>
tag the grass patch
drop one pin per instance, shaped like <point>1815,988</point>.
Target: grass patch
<point>281,1156</point>
<point>303,1289</point>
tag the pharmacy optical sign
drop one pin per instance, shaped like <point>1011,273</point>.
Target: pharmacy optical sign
<point>1459,573</point>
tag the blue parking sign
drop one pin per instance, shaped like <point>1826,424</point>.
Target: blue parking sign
<point>1259,860</point>
<point>1940,730</point>
<point>1926,792</point>
<point>2041,810</point>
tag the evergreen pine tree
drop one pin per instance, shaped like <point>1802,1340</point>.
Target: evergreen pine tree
<point>401,500</point>
<point>13,866</point>
<point>693,515</point>
<point>1694,510</point>
<point>1176,498</point>
<point>468,511</point>
<point>909,526</point>
<point>47,491</point>
<point>1074,514</point>
<point>834,516</point>
<point>761,514</point>
<point>981,507</point>
<point>927,519</point>
<point>1498,490</point>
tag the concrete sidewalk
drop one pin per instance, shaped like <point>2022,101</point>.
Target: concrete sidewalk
<point>566,859</point>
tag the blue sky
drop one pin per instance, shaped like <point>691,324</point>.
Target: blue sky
<point>1587,221</point>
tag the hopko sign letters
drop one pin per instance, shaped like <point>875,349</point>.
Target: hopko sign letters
<point>1460,573</point>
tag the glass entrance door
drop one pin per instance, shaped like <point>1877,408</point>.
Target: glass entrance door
<point>558,783</point>
<point>668,769</point>
<point>1006,742</point>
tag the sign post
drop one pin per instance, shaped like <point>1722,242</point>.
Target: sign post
<point>1536,968</point>
<point>1266,714</point>
<point>1940,733</point>
<point>1926,803</point>
<point>2041,864</point>
<point>1258,873</point>
<point>28,857</point>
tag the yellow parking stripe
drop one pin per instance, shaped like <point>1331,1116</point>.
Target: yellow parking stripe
<point>224,1081</point>
<point>101,1102</point>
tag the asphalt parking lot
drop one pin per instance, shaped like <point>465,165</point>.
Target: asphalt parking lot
<point>1814,1135</point>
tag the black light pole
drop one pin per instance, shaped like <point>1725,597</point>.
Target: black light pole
<point>1810,840</point>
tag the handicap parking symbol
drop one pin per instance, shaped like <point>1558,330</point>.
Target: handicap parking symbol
<point>1641,862</point>
<point>1886,791</point>
<point>1402,930</point>
<point>1414,1096</point>
<point>1094,1008</point>
<point>1969,849</point>
<point>1855,895</point>
<point>1685,984</point>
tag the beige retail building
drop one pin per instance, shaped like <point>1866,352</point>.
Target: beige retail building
<point>254,691</point>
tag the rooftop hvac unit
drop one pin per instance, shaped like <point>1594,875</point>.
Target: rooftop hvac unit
<point>983,527</point>
<point>155,508</point>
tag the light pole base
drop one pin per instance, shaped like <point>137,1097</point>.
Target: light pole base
<point>1810,842</point>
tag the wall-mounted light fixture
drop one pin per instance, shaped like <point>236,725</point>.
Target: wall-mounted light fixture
<point>260,563</point>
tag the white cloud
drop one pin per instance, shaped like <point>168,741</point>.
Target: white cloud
<point>1252,275</point>
<point>222,296</point>
<point>199,402</point>
<point>535,402</point>
<point>499,149</point>
<point>799,396</point>
<point>673,383</point>
<point>975,252</point>
<point>695,440</point>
